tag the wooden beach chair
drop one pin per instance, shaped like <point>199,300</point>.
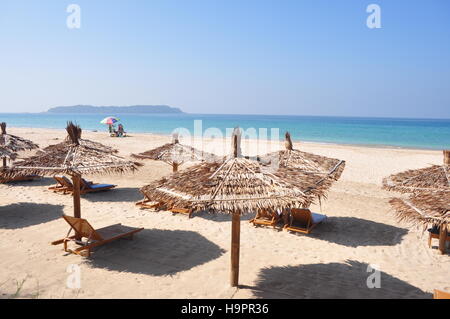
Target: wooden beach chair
<point>64,185</point>
<point>265,218</point>
<point>93,237</point>
<point>180,210</point>
<point>148,203</point>
<point>302,220</point>
<point>90,187</point>
<point>434,233</point>
<point>438,294</point>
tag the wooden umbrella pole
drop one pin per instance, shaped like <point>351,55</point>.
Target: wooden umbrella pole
<point>235,244</point>
<point>76,179</point>
<point>235,224</point>
<point>174,167</point>
<point>442,238</point>
<point>447,157</point>
<point>4,162</point>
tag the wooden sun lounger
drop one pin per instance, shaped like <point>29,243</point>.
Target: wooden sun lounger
<point>302,220</point>
<point>65,186</point>
<point>180,210</point>
<point>89,187</point>
<point>438,294</point>
<point>434,233</point>
<point>148,203</point>
<point>93,237</point>
<point>265,218</point>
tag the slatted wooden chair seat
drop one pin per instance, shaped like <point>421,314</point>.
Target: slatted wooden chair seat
<point>302,220</point>
<point>266,218</point>
<point>439,294</point>
<point>434,233</point>
<point>90,187</point>
<point>65,186</point>
<point>92,237</point>
<point>148,203</point>
<point>180,210</point>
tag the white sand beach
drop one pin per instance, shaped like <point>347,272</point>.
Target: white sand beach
<point>177,257</point>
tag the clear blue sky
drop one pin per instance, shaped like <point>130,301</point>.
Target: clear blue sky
<point>309,57</point>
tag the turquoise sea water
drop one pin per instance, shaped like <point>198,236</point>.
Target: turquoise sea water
<point>409,133</point>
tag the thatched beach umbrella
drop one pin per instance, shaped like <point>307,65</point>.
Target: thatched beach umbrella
<point>74,157</point>
<point>6,155</point>
<point>424,209</point>
<point>303,161</point>
<point>175,154</point>
<point>433,178</point>
<point>12,144</point>
<point>313,174</point>
<point>235,186</point>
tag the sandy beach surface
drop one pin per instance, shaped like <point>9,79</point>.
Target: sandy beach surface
<point>177,257</point>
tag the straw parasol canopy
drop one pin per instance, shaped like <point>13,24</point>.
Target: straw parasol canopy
<point>235,186</point>
<point>14,143</point>
<point>175,154</point>
<point>433,178</point>
<point>86,143</point>
<point>423,209</point>
<point>6,154</point>
<point>305,162</point>
<point>11,144</point>
<point>74,157</point>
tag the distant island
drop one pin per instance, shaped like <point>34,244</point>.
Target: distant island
<point>140,109</point>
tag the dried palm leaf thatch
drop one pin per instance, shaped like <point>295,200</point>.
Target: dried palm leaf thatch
<point>423,209</point>
<point>434,178</point>
<point>305,162</point>
<point>240,184</point>
<point>7,154</point>
<point>14,143</point>
<point>176,153</point>
<point>235,185</point>
<point>80,141</point>
<point>74,155</point>
<point>309,183</point>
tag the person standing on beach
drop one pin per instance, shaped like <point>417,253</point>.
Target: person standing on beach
<point>112,130</point>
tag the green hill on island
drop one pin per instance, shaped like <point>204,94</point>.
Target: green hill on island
<point>140,109</point>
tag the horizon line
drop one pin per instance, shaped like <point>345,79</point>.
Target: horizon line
<point>299,115</point>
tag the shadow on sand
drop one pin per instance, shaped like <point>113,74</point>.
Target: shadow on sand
<point>21,215</point>
<point>156,252</point>
<point>44,181</point>
<point>220,217</point>
<point>334,280</point>
<point>125,194</point>
<point>354,232</point>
